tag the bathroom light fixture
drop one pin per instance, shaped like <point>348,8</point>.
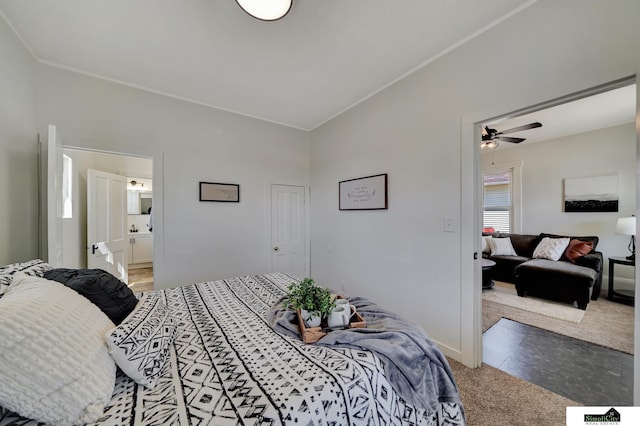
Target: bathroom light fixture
<point>266,10</point>
<point>135,186</point>
<point>627,226</point>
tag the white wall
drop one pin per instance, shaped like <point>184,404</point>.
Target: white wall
<point>413,131</point>
<point>18,151</point>
<point>546,164</point>
<point>193,241</point>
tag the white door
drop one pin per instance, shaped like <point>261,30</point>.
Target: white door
<point>51,154</point>
<point>107,239</point>
<point>288,230</point>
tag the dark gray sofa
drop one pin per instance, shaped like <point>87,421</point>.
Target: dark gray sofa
<point>559,280</point>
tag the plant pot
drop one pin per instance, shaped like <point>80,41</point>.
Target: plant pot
<point>311,319</point>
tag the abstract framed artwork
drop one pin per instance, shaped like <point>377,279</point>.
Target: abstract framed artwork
<point>591,194</point>
<point>219,192</point>
<point>366,193</point>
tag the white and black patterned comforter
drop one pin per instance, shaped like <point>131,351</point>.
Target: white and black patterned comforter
<point>229,367</point>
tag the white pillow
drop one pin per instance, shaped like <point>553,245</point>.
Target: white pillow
<point>501,247</point>
<point>140,344</point>
<point>35,267</point>
<point>485,243</point>
<point>551,248</point>
<point>54,363</point>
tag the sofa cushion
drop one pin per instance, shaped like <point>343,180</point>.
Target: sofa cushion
<point>577,249</point>
<point>501,247</point>
<point>541,268</point>
<point>523,244</point>
<point>588,238</point>
<point>485,244</point>
<point>505,267</point>
<point>550,248</point>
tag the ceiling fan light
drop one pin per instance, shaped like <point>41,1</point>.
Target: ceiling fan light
<point>266,10</point>
<point>488,145</point>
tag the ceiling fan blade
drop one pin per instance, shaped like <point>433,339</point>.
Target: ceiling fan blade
<point>508,139</point>
<point>521,128</point>
<point>485,131</point>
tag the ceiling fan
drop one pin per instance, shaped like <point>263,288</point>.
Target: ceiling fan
<point>491,136</point>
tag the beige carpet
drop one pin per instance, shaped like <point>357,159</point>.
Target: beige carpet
<point>605,323</point>
<point>491,397</point>
<point>506,294</point>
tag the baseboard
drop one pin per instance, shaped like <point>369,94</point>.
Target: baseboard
<point>140,265</point>
<point>449,351</point>
<point>620,282</point>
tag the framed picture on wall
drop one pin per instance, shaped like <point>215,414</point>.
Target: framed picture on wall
<point>219,192</point>
<point>366,193</point>
<point>591,194</point>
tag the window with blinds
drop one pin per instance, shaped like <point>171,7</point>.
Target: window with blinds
<point>497,201</point>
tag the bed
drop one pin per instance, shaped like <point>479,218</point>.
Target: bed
<point>222,363</point>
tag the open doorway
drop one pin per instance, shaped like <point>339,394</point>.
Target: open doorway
<point>137,173</point>
<point>597,144</point>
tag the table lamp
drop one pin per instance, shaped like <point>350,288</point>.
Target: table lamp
<point>627,226</point>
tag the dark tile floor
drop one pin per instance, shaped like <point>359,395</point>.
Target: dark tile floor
<point>581,371</point>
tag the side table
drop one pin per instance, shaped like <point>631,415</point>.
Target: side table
<point>620,295</point>
<point>487,266</point>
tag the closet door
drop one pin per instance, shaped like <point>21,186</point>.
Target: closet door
<point>288,230</point>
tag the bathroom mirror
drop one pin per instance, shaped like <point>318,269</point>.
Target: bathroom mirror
<point>145,203</point>
<point>139,202</point>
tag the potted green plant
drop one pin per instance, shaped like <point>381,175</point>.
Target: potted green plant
<point>315,303</point>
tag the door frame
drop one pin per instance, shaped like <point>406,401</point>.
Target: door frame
<point>471,205</point>
<point>157,174</point>
<point>307,225</point>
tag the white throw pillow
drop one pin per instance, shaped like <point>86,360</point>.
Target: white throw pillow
<point>501,247</point>
<point>485,243</point>
<point>551,248</point>
<point>35,267</point>
<point>54,363</point>
<point>140,344</point>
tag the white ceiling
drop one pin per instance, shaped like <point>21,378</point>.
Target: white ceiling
<point>321,59</point>
<point>606,109</point>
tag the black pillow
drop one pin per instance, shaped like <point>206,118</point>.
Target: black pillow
<point>104,290</point>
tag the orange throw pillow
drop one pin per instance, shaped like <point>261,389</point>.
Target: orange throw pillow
<point>577,249</point>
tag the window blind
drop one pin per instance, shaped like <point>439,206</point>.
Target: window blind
<point>497,201</point>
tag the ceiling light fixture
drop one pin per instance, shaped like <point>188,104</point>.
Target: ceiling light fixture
<point>135,186</point>
<point>266,10</point>
<point>489,145</point>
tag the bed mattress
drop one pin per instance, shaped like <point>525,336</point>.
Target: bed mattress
<point>228,366</point>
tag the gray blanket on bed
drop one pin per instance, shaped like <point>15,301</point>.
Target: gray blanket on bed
<point>414,365</point>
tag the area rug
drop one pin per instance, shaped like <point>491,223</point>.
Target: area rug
<point>605,323</point>
<point>506,295</point>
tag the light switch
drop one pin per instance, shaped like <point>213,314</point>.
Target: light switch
<point>450,224</point>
